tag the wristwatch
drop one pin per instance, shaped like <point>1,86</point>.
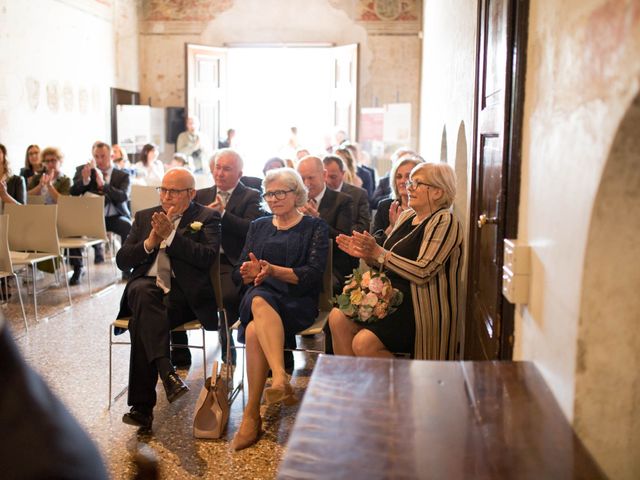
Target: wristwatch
<point>381,257</point>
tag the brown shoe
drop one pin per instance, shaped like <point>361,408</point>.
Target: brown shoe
<point>247,435</point>
<point>280,393</point>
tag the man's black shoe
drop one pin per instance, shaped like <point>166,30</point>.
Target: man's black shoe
<point>138,418</point>
<point>181,357</point>
<point>174,387</point>
<point>288,362</point>
<point>75,278</point>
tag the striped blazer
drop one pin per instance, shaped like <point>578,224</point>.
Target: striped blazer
<point>435,279</point>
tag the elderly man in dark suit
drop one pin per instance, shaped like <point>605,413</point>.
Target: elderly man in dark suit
<point>334,168</point>
<point>100,177</point>
<point>238,206</point>
<point>171,249</point>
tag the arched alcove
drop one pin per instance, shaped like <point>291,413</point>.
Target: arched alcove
<point>443,145</point>
<point>607,397</point>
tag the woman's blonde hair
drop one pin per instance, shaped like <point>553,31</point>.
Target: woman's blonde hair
<point>349,163</point>
<point>442,176</point>
<point>415,160</point>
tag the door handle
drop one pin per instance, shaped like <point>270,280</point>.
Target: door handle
<point>483,219</point>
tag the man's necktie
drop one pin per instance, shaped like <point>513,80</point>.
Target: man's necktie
<point>224,196</point>
<point>163,277</point>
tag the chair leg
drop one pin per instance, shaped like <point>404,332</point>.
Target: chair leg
<point>66,281</point>
<point>35,295</point>
<point>110,363</point>
<point>204,355</point>
<point>24,315</point>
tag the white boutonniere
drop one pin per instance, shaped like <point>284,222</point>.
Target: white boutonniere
<point>195,226</point>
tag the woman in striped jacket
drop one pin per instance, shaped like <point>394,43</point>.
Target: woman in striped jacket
<point>423,258</point>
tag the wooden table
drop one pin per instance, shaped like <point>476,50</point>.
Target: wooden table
<point>365,418</point>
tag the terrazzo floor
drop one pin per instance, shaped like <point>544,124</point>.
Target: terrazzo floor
<point>71,351</point>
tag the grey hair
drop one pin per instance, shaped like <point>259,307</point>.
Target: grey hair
<point>291,179</point>
<point>441,176</point>
<point>414,159</point>
<point>227,151</point>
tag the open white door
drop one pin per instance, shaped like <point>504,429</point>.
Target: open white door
<point>206,82</point>
<point>345,89</point>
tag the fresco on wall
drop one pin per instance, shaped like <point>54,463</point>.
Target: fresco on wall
<point>388,10</point>
<point>184,10</point>
<point>33,93</point>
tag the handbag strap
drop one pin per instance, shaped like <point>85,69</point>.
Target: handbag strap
<point>214,373</point>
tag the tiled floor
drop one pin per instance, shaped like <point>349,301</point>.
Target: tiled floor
<point>71,351</point>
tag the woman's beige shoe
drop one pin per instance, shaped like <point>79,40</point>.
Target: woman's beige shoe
<point>281,393</point>
<point>248,436</point>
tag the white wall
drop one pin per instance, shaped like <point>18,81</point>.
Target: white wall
<point>57,63</point>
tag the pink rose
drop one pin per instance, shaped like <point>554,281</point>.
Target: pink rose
<point>380,310</point>
<point>371,299</point>
<point>376,285</point>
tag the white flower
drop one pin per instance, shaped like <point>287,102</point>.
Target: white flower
<point>195,226</point>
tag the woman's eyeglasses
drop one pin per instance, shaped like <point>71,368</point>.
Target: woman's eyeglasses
<point>277,194</point>
<point>414,184</point>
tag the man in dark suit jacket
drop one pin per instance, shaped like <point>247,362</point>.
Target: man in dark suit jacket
<point>335,208</point>
<point>334,167</point>
<point>99,177</point>
<point>40,438</point>
<point>171,249</point>
<point>239,207</point>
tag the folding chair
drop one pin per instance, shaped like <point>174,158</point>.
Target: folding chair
<point>6,267</point>
<point>143,196</point>
<point>81,226</point>
<point>33,238</point>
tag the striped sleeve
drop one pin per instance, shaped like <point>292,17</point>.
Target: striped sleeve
<point>442,234</point>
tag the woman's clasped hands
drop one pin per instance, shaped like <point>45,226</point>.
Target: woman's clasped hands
<point>359,245</point>
<point>254,271</point>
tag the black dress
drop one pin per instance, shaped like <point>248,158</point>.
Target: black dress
<point>397,331</point>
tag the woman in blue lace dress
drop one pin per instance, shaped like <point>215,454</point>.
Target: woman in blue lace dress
<point>282,265</point>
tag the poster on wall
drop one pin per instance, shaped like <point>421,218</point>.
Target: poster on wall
<point>397,123</point>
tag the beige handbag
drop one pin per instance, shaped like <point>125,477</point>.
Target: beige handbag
<point>212,408</point>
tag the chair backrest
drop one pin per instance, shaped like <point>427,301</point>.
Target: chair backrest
<point>33,228</point>
<point>5,256</point>
<point>81,217</point>
<point>324,303</point>
<point>143,196</point>
<point>35,199</point>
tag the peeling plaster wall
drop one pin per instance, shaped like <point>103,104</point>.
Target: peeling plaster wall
<point>582,76</point>
<point>57,64</point>
<point>389,62</point>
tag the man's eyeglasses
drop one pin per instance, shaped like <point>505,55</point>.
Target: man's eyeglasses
<point>277,194</point>
<point>414,184</point>
<point>171,192</point>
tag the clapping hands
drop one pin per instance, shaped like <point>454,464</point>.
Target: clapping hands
<point>359,245</point>
<point>255,271</point>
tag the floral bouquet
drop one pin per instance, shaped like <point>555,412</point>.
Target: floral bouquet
<point>368,297</point>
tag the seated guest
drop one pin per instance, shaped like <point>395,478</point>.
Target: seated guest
<point>32,163</point>
<point>179,160</point>
<point>350,175</point>
<point>283,261</point>
<point>422,258</point>
<point>149,170</point>
<point>334,166</point>
<point>99,177</point>
<point>227,142</point>
<point>50,182</point>
<point>12,187</point>
<point>275,162</point>
<point>40,438</point>
<point>366,173</point>
<point>335,208</point>
<point>383,189</point>
<point>120,159</point>
<point>238,206</point>
<point>390,209</point>
<point>171,249</point>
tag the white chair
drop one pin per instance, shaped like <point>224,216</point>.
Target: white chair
<point>33,238</point>
<point>6,267</point>
<point>142,197</point>
<point>81,225</point>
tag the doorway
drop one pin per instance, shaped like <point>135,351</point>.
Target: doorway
<point>276,99</point>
